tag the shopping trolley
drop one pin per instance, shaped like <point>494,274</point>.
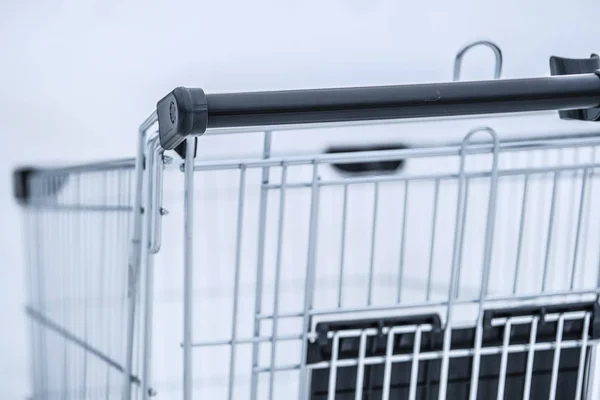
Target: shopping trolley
<point>440,271</point>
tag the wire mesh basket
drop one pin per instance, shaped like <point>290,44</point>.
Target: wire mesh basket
<point>431,271</point>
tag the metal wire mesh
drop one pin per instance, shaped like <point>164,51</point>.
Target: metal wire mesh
<point>293,244</point>
<point>286,256</point>
<point>77,225</point>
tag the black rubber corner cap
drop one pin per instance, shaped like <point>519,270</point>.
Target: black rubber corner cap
<point>181,113</point>
<point>571,66</point>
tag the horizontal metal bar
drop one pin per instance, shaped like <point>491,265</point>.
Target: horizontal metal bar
<point>38,317</point>
<point>402,329</point>
<point>528,319</point>
<point>68,207</point>
<point>110,165</point>
<point>386,155</point>
<point>432,177</point>
<point>432,355</point>
<point>456,353</point>
<point>403,101</point>
<point>259,339</point>
<point>491,299</point>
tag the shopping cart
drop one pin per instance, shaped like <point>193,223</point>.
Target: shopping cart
<point>441,271</point>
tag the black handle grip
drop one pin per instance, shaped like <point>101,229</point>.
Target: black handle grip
<point>189,111</point>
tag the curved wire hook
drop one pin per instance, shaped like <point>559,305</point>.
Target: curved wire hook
<point>463,51</point>
<point>459,225</point>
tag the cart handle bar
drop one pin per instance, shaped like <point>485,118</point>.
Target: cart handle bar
<point>185,112</point>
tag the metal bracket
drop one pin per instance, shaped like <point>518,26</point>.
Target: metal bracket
<point>155,190</point>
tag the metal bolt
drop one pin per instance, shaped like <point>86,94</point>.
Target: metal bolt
<point>167,160</point>
<point>151,392</point>
<point>163,211</point>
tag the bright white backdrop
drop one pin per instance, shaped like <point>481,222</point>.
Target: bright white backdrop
<point>76,77</point>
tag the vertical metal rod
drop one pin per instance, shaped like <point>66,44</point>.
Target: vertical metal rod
<point>41,264</point>
<point>103,273</point>
<point>34,270</point>
<point>148,237</point>
<point>578,229</point>
<point>582,356</point>
<point>402,243</point>
<point>310,278</point>
<point>68,261</point>
<point>75,262</point>
<point>591,376</point>
<point>373,236</point>
<point>138,324</point>
<point>452,289</point>
<point>360,373</point>
<point>556,359</point>
<point>29,246</point>
<point>274,334</point>
<point>114,250</point>
<point>343,245</point>
<point>476,363</point>
<point>432,241</point>
<point>586,220</point>
<point>114,270</point>
<point>414,372</point>
<point>109,285</point>
<point>487,252</point>
<point>333,367</point>
<point>93,292</point>
<point>188,268</point>
<point>530,356</point>
<point>236,280</point>
<point>550,229</point>
<point>521,230</point>
<point>387,372</point>
<point>78,235</point>
<point>146,266</point>
<point>262,223</point>
<point>504,360</point>
<point>572,191</point>
<point>598,279</point>
<point>135,254</point>
<point>462,237</point>
<point>45,234</point>
<point>86,260</point>
<point>63,251</point>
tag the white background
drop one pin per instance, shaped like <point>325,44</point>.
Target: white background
<point>77,77</point>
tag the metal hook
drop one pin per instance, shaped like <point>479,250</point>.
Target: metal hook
<point>460,212</point>
<point>486,43</point>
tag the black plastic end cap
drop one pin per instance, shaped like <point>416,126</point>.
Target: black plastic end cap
<point>570,66</point>
<point>181,113</point>
<point>21,184</point>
